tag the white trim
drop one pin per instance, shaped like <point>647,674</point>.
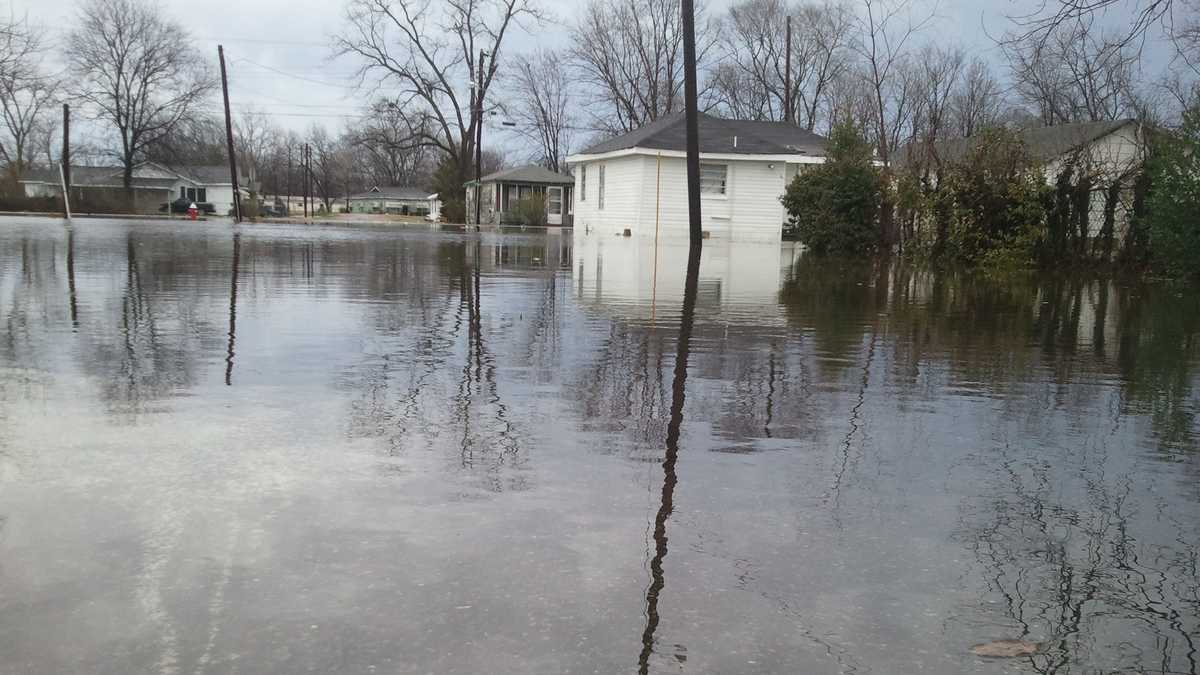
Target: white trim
<point>713,156</point>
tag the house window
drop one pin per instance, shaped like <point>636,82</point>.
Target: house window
<point>202,194</point>
<point>191,194</point>
<point>601,197</point>
<point>583,183</point>
<point>713,178</point>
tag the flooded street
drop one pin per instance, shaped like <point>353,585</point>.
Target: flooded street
<point>270,449</point>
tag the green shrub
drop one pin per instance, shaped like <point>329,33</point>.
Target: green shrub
<point>1174,200</point>
<point>989,209</point>
<point>531,211</point>
<point>454,211</point>
<point>834,207</point>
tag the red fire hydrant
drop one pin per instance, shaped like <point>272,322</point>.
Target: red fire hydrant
<point>193,211</point>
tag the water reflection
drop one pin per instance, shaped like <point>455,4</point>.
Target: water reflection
<point>877,466</point>
<point>233,289</point>
<point>670,479</point>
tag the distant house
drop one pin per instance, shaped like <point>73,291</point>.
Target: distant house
<point>1109,153</point>
<point>504,189</point>
<point>395,200</point>
<point>153,185</point>
<point>638,181</point>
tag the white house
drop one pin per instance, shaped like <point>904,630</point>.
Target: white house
<point>396,200</point>
<point>1109,153</point>
<point>153,184</point>
<point>638,182</point>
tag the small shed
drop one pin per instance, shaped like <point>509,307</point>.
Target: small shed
<point>503,190</point>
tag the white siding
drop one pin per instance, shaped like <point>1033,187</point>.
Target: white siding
<point>636,197</point>
<point>622,178</point>
<point>220,196</point>
<point>1113,157</point>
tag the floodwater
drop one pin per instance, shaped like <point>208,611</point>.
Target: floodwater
<point>288,449</point>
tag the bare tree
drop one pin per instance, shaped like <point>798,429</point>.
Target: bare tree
<point>197,139</point>
<point>750,79</point>
<point>137,70</point>
<point>978,101</point>
<point>391,150</point>
<point>26,94</point>
<point>543,111</point>
<point>1076,73</point>
<point>1053,16</point>
<point>254,134</point>
<point>630,53</point>
<point>426,54</point>
<point>885,29</point>
<point>328,165</point>
<point>935,73</point>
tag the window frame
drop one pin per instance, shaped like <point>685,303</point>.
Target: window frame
<point>724,193</point>
<point>600,199</point>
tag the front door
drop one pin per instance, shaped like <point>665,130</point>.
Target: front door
<point>554,205</point>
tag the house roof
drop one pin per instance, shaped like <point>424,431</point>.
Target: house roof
<point>210,175</point>
<point>1043,143</point>
<point>718,136</point>
<point>393,192</point>
<point>147,174</point>
<point>528,174</point>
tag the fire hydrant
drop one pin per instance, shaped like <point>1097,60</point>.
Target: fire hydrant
<point>193,211</point>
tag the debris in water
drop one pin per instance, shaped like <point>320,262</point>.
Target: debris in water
<point>1006,649</point>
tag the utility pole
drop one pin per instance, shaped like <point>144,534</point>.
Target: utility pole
<point>66,151</point>
<point>233,177</point>
<point>288,180</point>
<point>787,74</point>
<point>479,144</point>
<point>65,163</point>
<point>693,124</point>
<point>304,178</point>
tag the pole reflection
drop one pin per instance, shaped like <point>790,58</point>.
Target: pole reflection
<point>72,298</point>
<point>233,289</point>
<point>667,504</point>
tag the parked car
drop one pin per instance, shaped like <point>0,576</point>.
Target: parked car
<point>181,206</point>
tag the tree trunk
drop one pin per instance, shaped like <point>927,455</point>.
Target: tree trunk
<point>1104,242</point>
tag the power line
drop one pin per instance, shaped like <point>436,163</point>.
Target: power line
<point>298,43</point>
<point>286,104</point>
<point>297,77</point>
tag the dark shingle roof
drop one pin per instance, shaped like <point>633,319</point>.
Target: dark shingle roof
<point>393,192</point>
<point>1042,143</point>
<point>529,174</point>
<point>144,175</point>
<point>211,175</point>
<point>717,136</point>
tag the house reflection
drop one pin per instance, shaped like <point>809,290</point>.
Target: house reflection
<point>637,278</point>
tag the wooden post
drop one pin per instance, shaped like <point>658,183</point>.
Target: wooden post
<point>693,122</point>
<point>233,177</point>
<point>787,75</point>
<point>479,144</point>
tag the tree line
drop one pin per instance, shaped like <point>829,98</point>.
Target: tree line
<point>432,74</point>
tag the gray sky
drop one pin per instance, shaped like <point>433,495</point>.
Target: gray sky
<point>280,61</point>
